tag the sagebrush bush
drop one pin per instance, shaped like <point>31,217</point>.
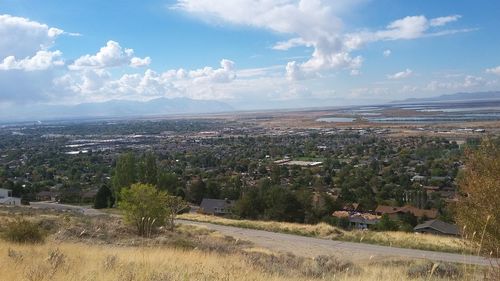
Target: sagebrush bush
<point>428,269</point>
<point>23,231</point>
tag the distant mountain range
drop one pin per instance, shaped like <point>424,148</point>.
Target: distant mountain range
<point>455,97</point>
<point>116,108</point>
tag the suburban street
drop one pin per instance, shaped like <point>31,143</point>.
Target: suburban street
<point>308,246</point>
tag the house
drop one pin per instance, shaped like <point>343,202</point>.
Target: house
<point>7,199</point>
<point>47,196</point>
<point>437,227</point>
<point>418,178</point>
<point>358,220</point>
<point>394,212</point>
<point>216,207</point>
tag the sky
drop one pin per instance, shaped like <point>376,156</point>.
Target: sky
<point>250,54</point>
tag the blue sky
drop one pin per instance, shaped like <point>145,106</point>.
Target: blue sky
<point>248,53</point>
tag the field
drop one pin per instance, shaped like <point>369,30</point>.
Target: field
<point>102,248</point>
<point>58,261</point>
<point>323,230</point>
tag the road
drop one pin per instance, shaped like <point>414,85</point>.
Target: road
<point>301,245</point>
<point>308,246</point>
<point>63,207</point>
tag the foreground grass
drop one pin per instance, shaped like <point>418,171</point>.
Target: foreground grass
<point>323,230</point>
<point>63,261</point>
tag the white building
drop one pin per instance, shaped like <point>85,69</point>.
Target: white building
<point>7,199</point>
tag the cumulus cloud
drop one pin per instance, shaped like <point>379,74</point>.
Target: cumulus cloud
<point>22,37</point>
<point>400,75</point>
<point>315,24</point>
<point>42,60</point>
<point>387,53</point>
<point>138,62</point>
<point>99,84</point>
<point>111,55</point>
<point>494,70</point>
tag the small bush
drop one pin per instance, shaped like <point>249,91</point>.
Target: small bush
<point>23,231</point>
<point>442,270</point>
<point>291,265</point>
<point>323,266</point>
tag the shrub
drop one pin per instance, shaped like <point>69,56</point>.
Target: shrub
<point>23,231</point>
<point>144,207</point>
<point>442,270</point>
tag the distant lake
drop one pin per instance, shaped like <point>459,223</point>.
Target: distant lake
<point>336,119</point>
<point>466,117</point>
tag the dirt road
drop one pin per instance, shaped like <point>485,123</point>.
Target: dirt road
<point>308,246</point>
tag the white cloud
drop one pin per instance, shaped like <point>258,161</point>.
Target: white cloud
<point>387,53</point>
<point>223,74</point>
<point>413,27</point>
<point>111,55</point>
<point>444,20</point>
<point>407,28</point>
<point>22,37</point>
<point>292,43</point>
<point>314,23</point>
<point>494,70</point>
<point>91,84</point>
<point>42,60</point>
<point>400,75</point>
<point>138,62</point>
<point>466,82</point>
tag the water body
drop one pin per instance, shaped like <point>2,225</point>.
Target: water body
<point>446,118</point>
<point>336,119</point>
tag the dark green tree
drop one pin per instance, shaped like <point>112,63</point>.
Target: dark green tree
<point>104,198</point>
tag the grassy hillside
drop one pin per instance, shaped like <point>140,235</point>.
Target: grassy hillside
<point>80,248</point>
<point>58,261</point>
<point>323,230</point>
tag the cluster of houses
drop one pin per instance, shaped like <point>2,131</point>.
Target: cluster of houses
<point>364,220</point>
<point>357,219</point>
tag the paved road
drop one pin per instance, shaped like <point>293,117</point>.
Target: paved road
<point>308,246</point>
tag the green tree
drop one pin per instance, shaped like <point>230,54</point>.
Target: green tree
<point>148,170</point>
<point>167,182</point>
<point>144,207</point>
<point>477,210</point>
<point>250,205</point>
<point>386,224</point>
<point>197,190</point>
<point>104,198</point>
<point>124,173</point>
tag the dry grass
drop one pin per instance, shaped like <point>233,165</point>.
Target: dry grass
<point>323,230</point>
<point>103,249</point>
<point>82,262</point>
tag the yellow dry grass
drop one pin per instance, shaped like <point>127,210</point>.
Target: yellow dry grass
<point>82,262</point>
<point>323,230</point>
